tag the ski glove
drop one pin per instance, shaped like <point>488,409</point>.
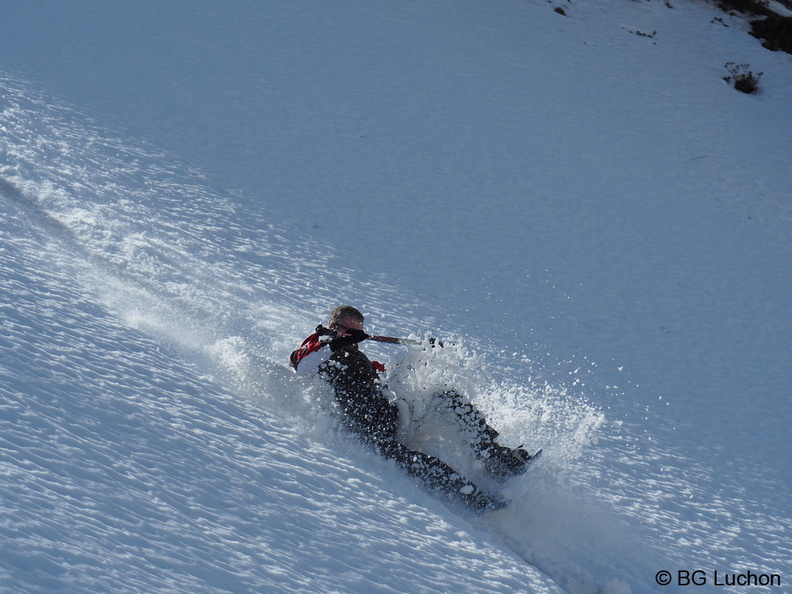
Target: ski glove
<point>339,343</point>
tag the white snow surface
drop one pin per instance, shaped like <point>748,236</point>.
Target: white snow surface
<point>594,222</point>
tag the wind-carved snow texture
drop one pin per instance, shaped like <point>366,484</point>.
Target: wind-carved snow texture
<point>145,327</point>
<point>152,437</point>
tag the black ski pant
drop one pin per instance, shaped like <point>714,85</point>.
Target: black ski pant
<point>433,472</point>
<point>477,432</point>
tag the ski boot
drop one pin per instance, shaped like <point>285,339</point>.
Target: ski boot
<point>480,502</point>
<point>504,463</point>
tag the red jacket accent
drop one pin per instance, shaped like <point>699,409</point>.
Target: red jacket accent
<point>311,345</point>
<point>308,346</point>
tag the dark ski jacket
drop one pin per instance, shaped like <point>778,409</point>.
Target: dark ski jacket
<point>365,407</point>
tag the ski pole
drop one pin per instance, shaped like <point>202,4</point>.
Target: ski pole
<point>392,340</point>
<point>322,331</point>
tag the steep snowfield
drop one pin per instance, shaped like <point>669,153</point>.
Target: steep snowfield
<point>597,225</point>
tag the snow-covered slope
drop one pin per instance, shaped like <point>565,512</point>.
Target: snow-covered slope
<point>593,217</point>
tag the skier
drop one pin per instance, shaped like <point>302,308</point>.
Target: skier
<point>368,412</point>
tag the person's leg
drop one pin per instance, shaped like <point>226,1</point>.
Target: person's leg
<point>477,432</point>
<point>437,476</point>
<point>501,462</point>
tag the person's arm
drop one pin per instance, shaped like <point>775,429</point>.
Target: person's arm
<point>311,354</point>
